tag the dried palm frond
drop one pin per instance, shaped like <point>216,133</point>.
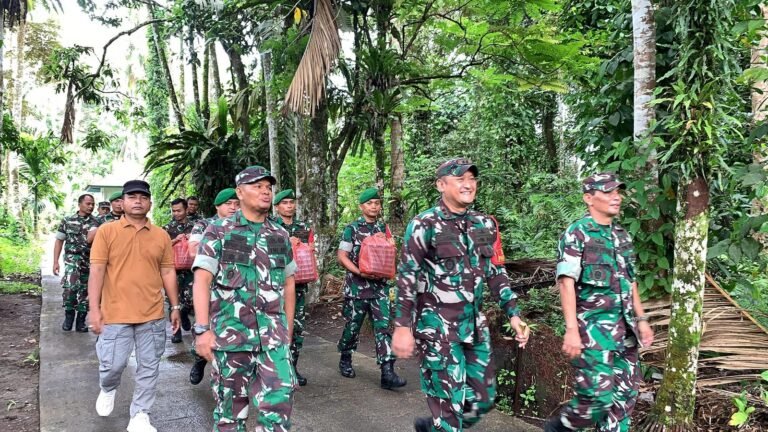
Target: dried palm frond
<point>732,340</point>
<point>308,86</point>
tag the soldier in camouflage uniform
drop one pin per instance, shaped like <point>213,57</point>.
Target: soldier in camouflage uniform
<point>365,294</point>
<point>251,305</point>
<point>603,314</point>
<point>226,204</point>
<point>178,228</point>
<point>104,208</point>
<point>116,201</point>
<point>72,236</point>
<point>447,250</point>
<point>285,206</point>
<point>193,205</point>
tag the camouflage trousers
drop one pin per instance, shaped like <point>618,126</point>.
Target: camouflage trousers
<point>184,280</point>
<point>75,285</point>
<point>459,381</point>
<point>354,313</point>
<point>299,318</point>
<point>265,377</point>
<point>606,387</point>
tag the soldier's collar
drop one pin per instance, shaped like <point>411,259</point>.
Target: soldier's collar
<point>592,225</point>
<point>241,220</point>
<point>362,220</point>
<point>443,212</point>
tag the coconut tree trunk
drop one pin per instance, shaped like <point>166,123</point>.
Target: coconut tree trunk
<point>182,70</point>
<point>160,52</point>
<point>193,59</point>
<point>205,104</point>
<point>19,85</point>
<point>644,49</point>
<point>676,398</point>
<point>217,88</point>
<point>380,156</point>
<point>269,96</point>
<point>238,70</point>
<point>2,84</point>
<point>397,208</point>
<point>548,115</point>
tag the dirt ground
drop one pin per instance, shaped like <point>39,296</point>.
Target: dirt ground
<point>19,339</point>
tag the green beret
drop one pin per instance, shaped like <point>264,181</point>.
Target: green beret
<point>284,194</point>
<point>224,196</point>
<point>369,194</point>
<point>115,196</point>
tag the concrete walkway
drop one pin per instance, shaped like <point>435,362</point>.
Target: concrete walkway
<point>69,387</point>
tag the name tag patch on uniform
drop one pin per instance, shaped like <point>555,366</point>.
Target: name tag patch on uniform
<point>276,245</point>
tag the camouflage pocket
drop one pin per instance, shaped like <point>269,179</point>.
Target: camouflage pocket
<point>432,358</point>
<point>277,271</point>
<point>598,275</point>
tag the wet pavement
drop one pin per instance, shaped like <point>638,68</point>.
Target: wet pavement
<point>69,387</point>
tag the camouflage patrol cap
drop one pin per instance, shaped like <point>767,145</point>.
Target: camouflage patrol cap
<point>456,167</point>
<point>116,196</point>
<point>283,194</point>
<point>603,182</point>
<point>252,174</point>
<point>104,204</point>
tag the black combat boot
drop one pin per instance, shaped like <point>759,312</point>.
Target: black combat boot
<point>389,378</point>
<point>554,424</point>
<point>422,424</point>
<point>197,371</point>
<point>69,319</point>
<point>186,324</point>
<point>176,337</point>
<point>300,379</point>
<point>345,365</point>
<point>80,324</point>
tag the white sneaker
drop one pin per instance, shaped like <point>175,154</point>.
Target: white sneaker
<point>140,423</point>
<point>105,402</point>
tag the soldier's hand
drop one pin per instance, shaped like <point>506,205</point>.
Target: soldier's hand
<point>175,320</point>
<point>572,343</point>
<point>95,321</point>
<point>522,331</point>
<point>204,345</point>
<point>56,268</point>
<point>403,344</point>
<point>646,333</point>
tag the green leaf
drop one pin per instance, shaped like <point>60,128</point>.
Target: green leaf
<point>658,238</point>
<point>738,418</point>
<point>750,248</point>
<point>734,252</point>
<point>663,263</point>
<point>764,375</point>
<point>718,249</point>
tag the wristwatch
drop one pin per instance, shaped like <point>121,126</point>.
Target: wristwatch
<point>199,329</point>
<point>176,307</point>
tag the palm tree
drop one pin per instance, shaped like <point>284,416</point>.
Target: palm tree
<point>39,159</point>
<point>12,12</point>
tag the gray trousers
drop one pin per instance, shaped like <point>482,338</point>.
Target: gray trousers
<point>114,348</point>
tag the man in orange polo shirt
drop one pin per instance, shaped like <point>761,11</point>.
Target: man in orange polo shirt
<point>131,262</point>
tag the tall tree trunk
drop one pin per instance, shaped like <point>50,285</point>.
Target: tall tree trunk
<point>182,71</point>
<point>238,70</point>
<point>397,210</point>
<point>2,84</point>
<point>274,147</point>
<point>19,84</point>
<point>644,49</point>
<point>549,112</point>
<point>206,84</point>
<point>193,59</point>
<point>676,398</point>
<point>160,52</point>
<point>218,91</point>
<point>380,157</point>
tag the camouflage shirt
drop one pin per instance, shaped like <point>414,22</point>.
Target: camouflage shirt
<point>351,239</point>
<point>73,231</point>
<point>109,217</point>
<point>450,256</point>
<point>249,268</point>
<point>600,259</point>
<point>298,229</point>
<point>174,228</point>
<point>196,235</point>
<point>195,217</point>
